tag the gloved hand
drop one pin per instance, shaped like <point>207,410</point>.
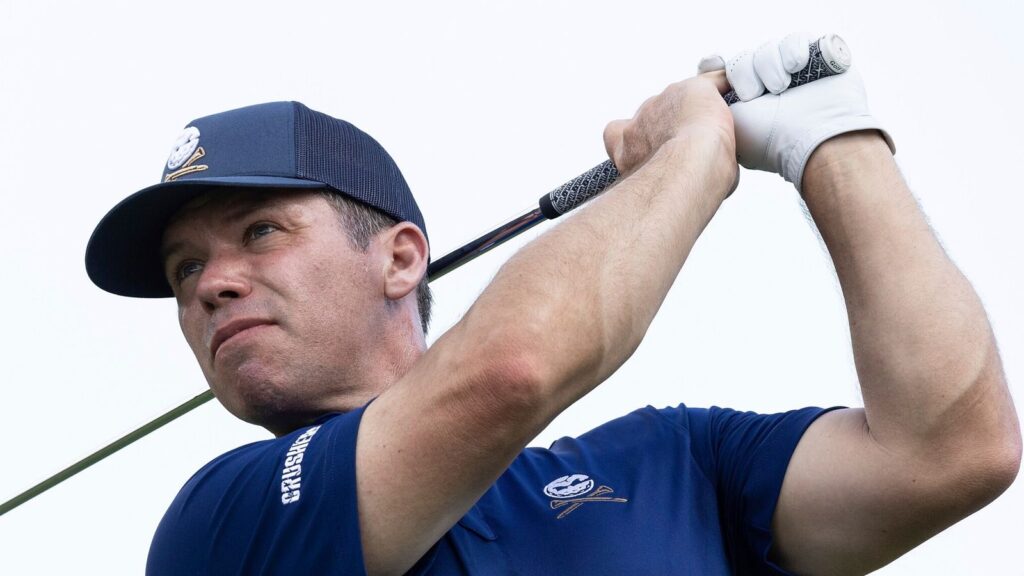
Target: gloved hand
<point>777,131</point>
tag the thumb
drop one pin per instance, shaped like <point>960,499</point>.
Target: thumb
<point>711,63</point>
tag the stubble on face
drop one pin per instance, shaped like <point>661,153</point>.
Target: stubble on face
<point>282,258</point>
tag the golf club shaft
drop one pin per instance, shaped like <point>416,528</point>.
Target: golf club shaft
<point>107,450</point>
<point>492,239</point>
<point>828,56</point>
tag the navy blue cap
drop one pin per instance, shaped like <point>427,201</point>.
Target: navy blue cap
<point>274,145</point>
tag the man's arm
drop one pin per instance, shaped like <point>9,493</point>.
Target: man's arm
<point>558,319</point>
<point>938,437</point>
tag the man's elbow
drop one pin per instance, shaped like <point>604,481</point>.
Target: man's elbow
<point>1006,453</point>
<point>992,460</point>
<point>542,373</point>
<point>1006,458</point>
<point>502,382</point>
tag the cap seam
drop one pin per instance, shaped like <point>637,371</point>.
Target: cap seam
<point>295,140</point>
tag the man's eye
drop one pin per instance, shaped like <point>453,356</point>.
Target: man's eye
<point>259,230</point>
<point>186,269</point>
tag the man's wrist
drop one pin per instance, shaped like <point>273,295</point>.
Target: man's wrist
<point>843,157</point>
<point>709,156</point>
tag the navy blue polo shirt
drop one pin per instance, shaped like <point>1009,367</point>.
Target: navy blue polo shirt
<point>670,491</point>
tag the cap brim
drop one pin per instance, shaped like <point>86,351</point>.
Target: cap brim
<point>123,255</point>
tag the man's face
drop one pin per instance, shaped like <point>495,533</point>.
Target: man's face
<point>274,301</point>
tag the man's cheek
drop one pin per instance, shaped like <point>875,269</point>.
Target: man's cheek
<point>195,342</point>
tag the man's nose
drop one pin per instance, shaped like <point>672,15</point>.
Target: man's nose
<point>222,280</point>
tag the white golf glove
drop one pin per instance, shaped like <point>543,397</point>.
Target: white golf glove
<point>777,131</point>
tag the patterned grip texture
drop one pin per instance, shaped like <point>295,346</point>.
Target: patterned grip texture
<point>578,190</point>
<point>816,69</point>
<point>591,183</point>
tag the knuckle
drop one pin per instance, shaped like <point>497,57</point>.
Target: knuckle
<point>609,132</point>
<point>646,107</point>
<point>613,127</point>
<point>674,89</point>
<point>632,135</point>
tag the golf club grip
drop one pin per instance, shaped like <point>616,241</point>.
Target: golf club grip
<point>578,190</point>
<point>829,56</point>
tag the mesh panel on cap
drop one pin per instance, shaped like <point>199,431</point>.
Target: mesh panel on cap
<point>347,159</point>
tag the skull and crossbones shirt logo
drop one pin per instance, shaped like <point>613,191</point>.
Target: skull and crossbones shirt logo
<point>574,490</point>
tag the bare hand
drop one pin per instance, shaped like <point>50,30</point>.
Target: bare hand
<point>691,109</point>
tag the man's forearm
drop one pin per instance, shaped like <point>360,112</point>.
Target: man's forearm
<point>584,293</point>
<point>925,354</point>
<point>557,319</point>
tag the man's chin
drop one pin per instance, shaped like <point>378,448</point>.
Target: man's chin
<point>266,401</point>
<point>278,396</point>
<point>253,398</point>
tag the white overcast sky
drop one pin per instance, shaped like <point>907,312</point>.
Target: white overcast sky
<point>485,106</point>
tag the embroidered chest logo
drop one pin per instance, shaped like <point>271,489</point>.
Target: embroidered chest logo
<point>185,154</point>
<point>574,490</point>
<point>291,475</point>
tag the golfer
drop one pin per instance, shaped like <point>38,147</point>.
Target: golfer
<point>297,257</point>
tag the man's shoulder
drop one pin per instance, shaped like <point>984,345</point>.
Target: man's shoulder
<point>635,426</point>
<point>261,454</point>
<point>235,508</point>
<point>619,446</point>
<point>244,453</point>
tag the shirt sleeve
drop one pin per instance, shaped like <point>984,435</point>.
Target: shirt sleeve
<point>745,455</point>
<point>283,506</point>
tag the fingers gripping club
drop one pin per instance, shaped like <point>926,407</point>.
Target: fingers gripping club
<point>828,56</point>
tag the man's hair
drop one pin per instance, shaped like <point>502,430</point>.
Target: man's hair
<point>361,223</point>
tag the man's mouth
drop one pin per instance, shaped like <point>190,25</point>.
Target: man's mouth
<point>232,329</point>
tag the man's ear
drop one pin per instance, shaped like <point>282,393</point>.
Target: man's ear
<point>407,253</point>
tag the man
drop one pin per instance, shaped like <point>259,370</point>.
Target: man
<point>307,317</point>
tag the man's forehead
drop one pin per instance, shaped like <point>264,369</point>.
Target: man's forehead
<point>229,200</point>
<point>225,207</point>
